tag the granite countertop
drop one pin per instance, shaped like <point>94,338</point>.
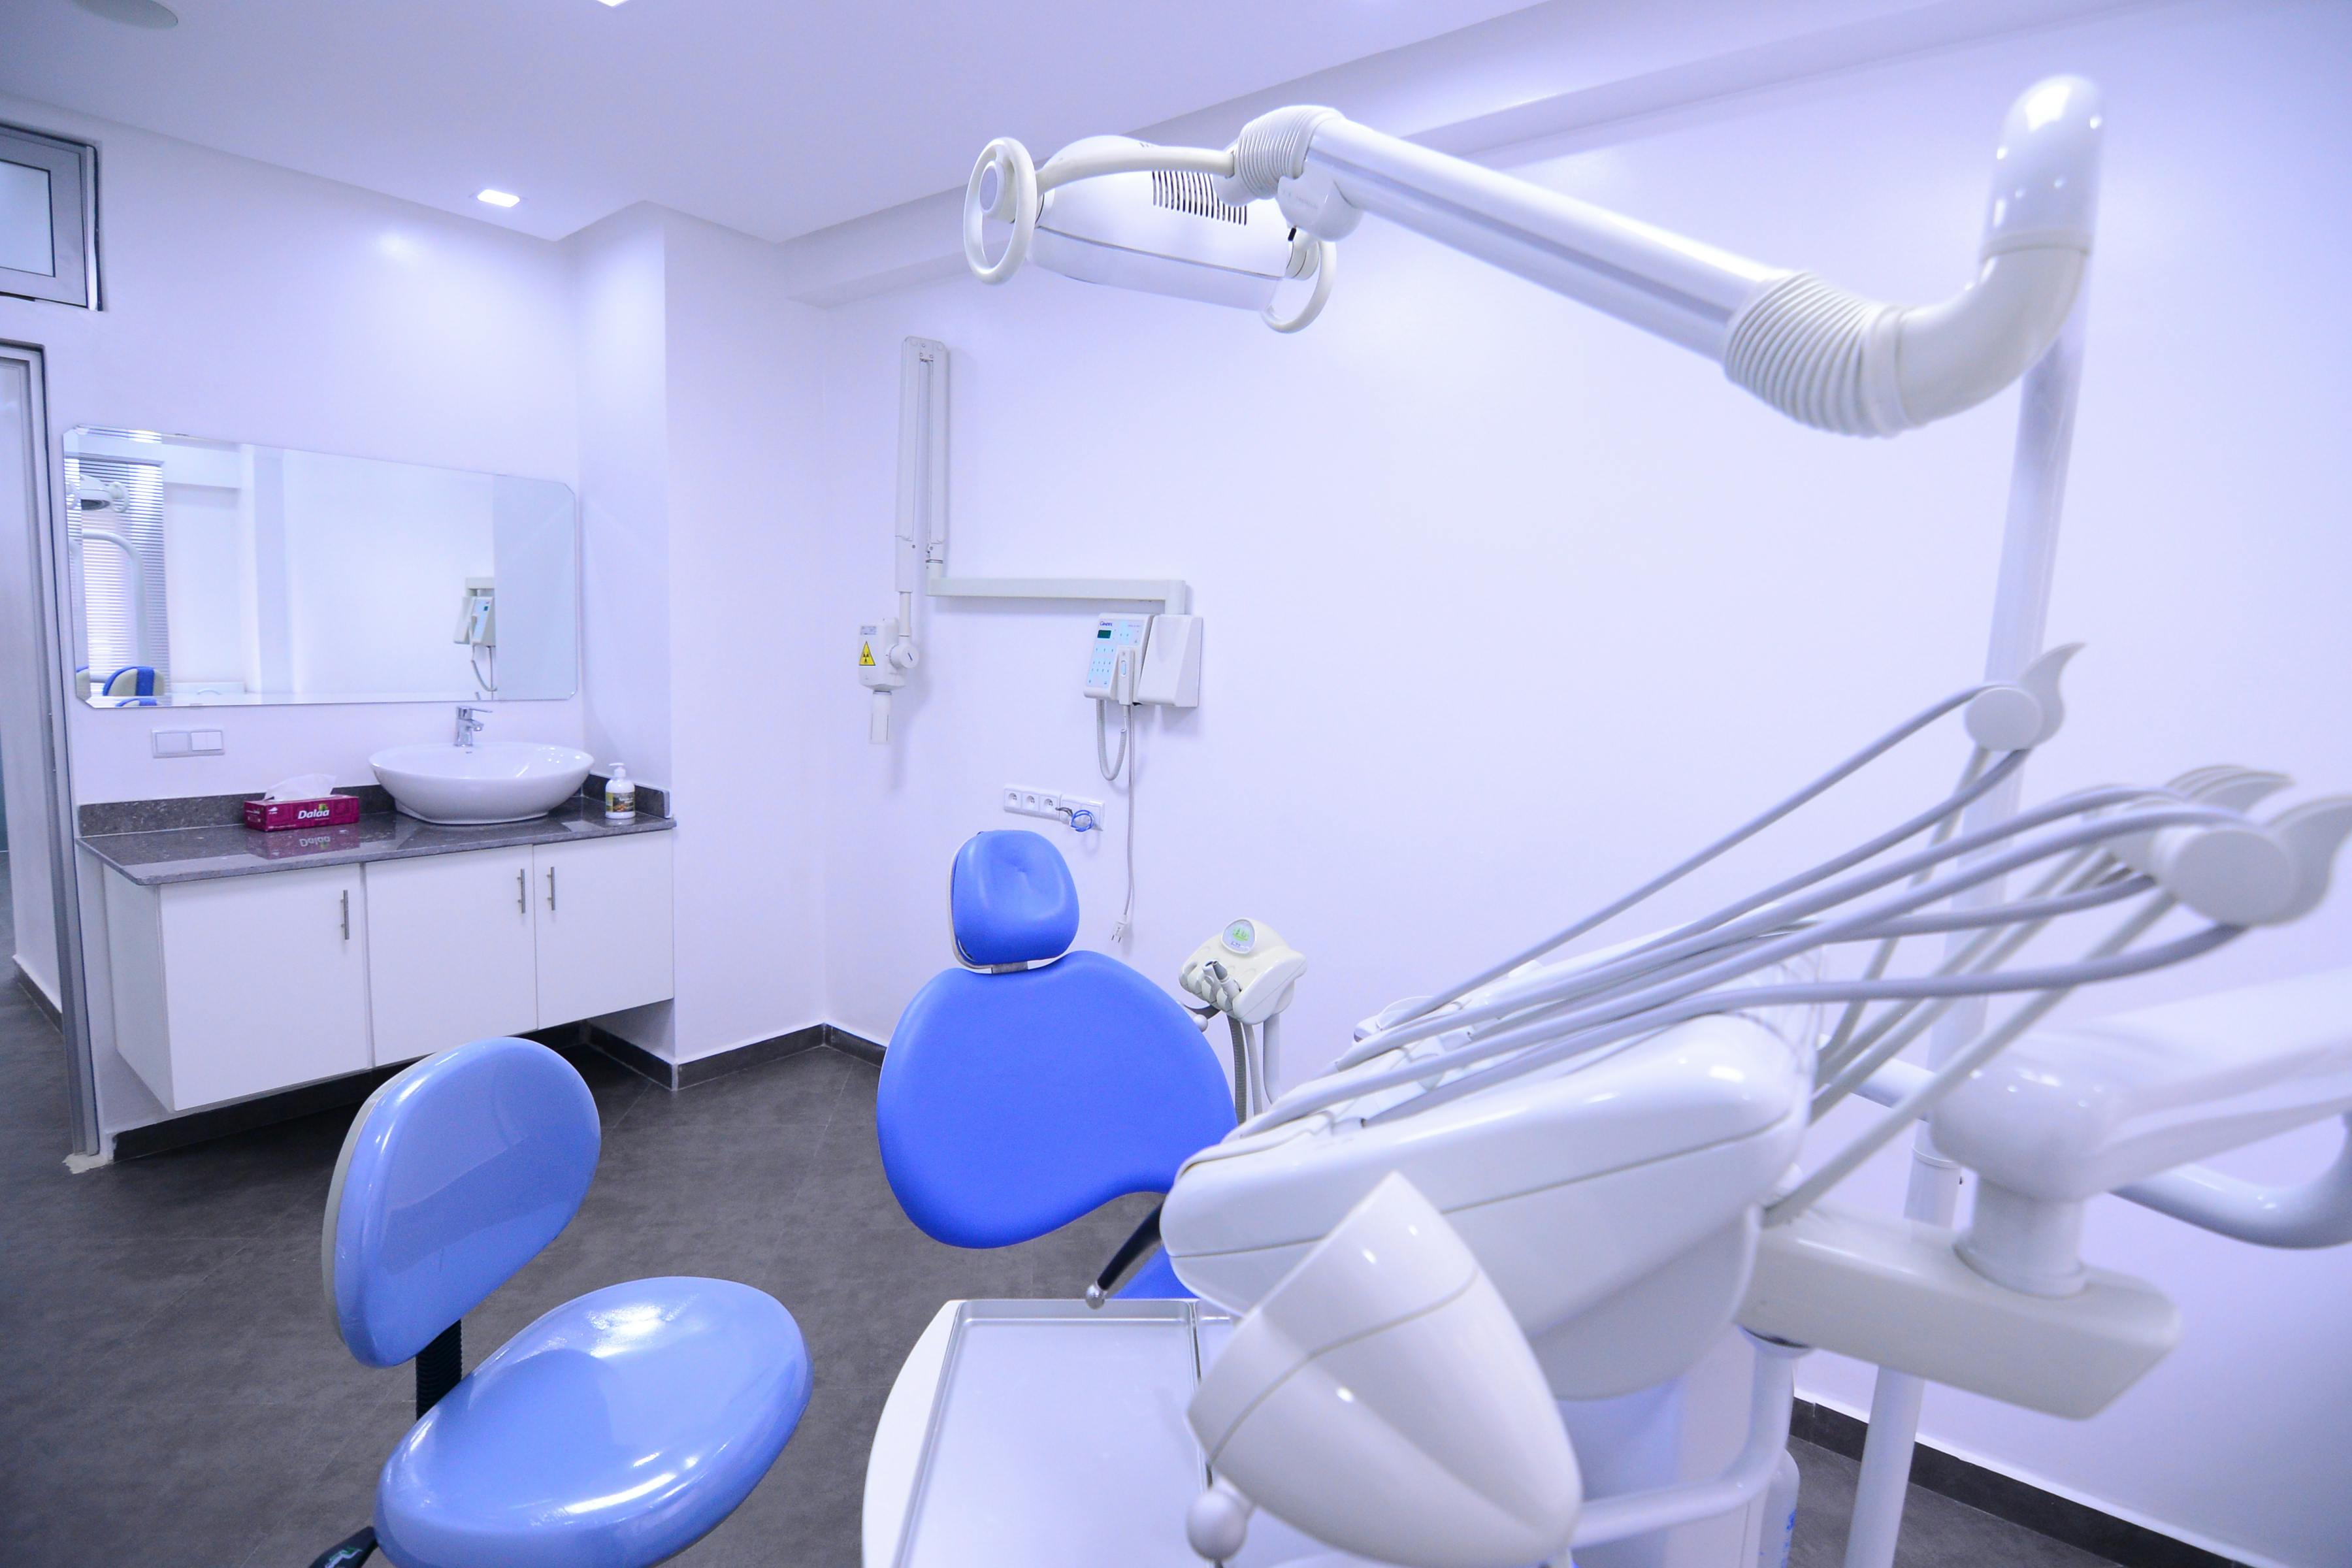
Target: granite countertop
<point>201,853</point>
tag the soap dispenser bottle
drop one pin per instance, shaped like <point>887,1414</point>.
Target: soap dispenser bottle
<point>620,796</point>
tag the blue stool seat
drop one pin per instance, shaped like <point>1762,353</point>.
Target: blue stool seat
<point>617,1429</point>
<point>614,1431</point>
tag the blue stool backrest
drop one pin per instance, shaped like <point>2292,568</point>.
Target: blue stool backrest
<point>1010,899</point>
<point>1011,1103</point>
<point>453,1176</point>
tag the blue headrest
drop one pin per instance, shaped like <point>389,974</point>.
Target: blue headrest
<point>453,1176</point>
<point>1010,899</point>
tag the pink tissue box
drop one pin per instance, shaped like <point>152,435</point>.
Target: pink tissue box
<point>269,815</point>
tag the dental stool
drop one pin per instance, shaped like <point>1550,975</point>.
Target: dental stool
<point>1036,1084</point>
<point>612,1432</point>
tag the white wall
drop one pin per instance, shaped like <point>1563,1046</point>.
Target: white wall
<point>621,320</point>
<point>702,439</point>
<point>749,615</point>
<point>1508,605</point>
<point>248,303</point>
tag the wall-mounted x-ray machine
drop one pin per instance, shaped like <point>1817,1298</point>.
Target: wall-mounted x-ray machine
<point>1162,660</point>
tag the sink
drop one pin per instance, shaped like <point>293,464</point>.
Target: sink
<point>490,781</point>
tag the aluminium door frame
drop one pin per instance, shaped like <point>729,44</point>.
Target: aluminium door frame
<point>53,638</point>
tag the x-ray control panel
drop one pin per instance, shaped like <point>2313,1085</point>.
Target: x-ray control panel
<point>1113,636</point>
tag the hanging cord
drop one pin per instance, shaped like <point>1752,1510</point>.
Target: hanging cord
<point>1887,1041</point>
<point>1777,905</point>
<point>1963,1065</point>
<point>1651,1005</point>
<point>1130,752</point>
<point>1739,918</point>
<point>1738,836</point>
<point>1993,947</point>
<point>1585,1048</point>
<point>1130,760</point>
<point>1885,956</point>
<point>490,684</point>
<point>1108,768</point>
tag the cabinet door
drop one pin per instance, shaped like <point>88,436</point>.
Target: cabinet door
<point>450,953</point>
<point>265,982</point>
<point>604,909</point>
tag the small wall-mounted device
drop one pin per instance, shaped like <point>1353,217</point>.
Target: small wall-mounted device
<point>477,622</point>
<point>1151,659</point>
<point>1172,663</point>
<point>886,657</point>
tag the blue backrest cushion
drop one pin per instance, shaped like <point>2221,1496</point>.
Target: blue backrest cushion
<point>1010,1104</point>
<point>453,1176</point>
<point>1010,899</point>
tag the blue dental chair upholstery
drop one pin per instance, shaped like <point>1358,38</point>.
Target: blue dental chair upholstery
<point>616,1430</point>
<point>1014,1100</point>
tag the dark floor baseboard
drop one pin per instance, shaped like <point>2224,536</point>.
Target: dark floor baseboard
<point>702,1069</point>
<point>2006,1497</point>
<point>246,1115</point>
<point>269,1110</point>
<point>334,1093</point>
<point>40,999</point>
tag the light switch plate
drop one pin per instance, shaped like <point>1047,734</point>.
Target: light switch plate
<point>170,742</point>
<point>207,742</point>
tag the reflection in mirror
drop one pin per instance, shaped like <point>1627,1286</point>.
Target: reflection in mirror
<point>214,573</point>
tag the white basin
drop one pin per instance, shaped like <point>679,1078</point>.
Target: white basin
<point>490,781</point>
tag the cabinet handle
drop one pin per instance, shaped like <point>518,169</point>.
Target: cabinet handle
<point>347,914</point>
<point>522,891</point>
<point>550,887</point>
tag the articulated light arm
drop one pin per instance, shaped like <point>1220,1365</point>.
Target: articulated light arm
<point>1818,352</point>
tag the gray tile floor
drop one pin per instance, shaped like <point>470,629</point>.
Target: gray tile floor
<point>175,1394</point>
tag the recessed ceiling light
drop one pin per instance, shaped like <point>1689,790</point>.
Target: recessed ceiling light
<point>614,2</point>
<point>132,13</point>
<point>497,198</point>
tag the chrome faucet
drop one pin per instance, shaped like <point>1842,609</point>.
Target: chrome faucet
<point>470,724</point>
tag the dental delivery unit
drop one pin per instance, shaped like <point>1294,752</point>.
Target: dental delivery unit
<point>1564,1178</point>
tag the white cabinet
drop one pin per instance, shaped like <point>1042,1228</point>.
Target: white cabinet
<point>245,984</point>
<point>449,951</point>
<point>603,925</point>
<point>233,987</point>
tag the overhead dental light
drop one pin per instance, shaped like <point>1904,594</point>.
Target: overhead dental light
<point>1112,210</point>
<point>1196,222</point>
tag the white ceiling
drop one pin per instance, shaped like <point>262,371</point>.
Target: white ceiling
<point>771,118</point>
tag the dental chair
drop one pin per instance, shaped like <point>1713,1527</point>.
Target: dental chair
<point>613,1431</point>
<point>1033,1084</point>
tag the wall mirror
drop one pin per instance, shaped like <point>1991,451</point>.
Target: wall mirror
<point>216,573</point>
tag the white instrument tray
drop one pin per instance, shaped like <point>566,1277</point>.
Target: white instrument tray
<point>1057,1438</point>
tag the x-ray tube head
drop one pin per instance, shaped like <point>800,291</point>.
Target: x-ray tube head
<point>1157,230</point>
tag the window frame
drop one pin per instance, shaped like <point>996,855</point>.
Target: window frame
<point>72,168</point>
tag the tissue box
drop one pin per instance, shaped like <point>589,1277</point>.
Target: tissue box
<point>270,816</point>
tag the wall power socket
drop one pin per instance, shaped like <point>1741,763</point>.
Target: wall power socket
<point>1023,801</point>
